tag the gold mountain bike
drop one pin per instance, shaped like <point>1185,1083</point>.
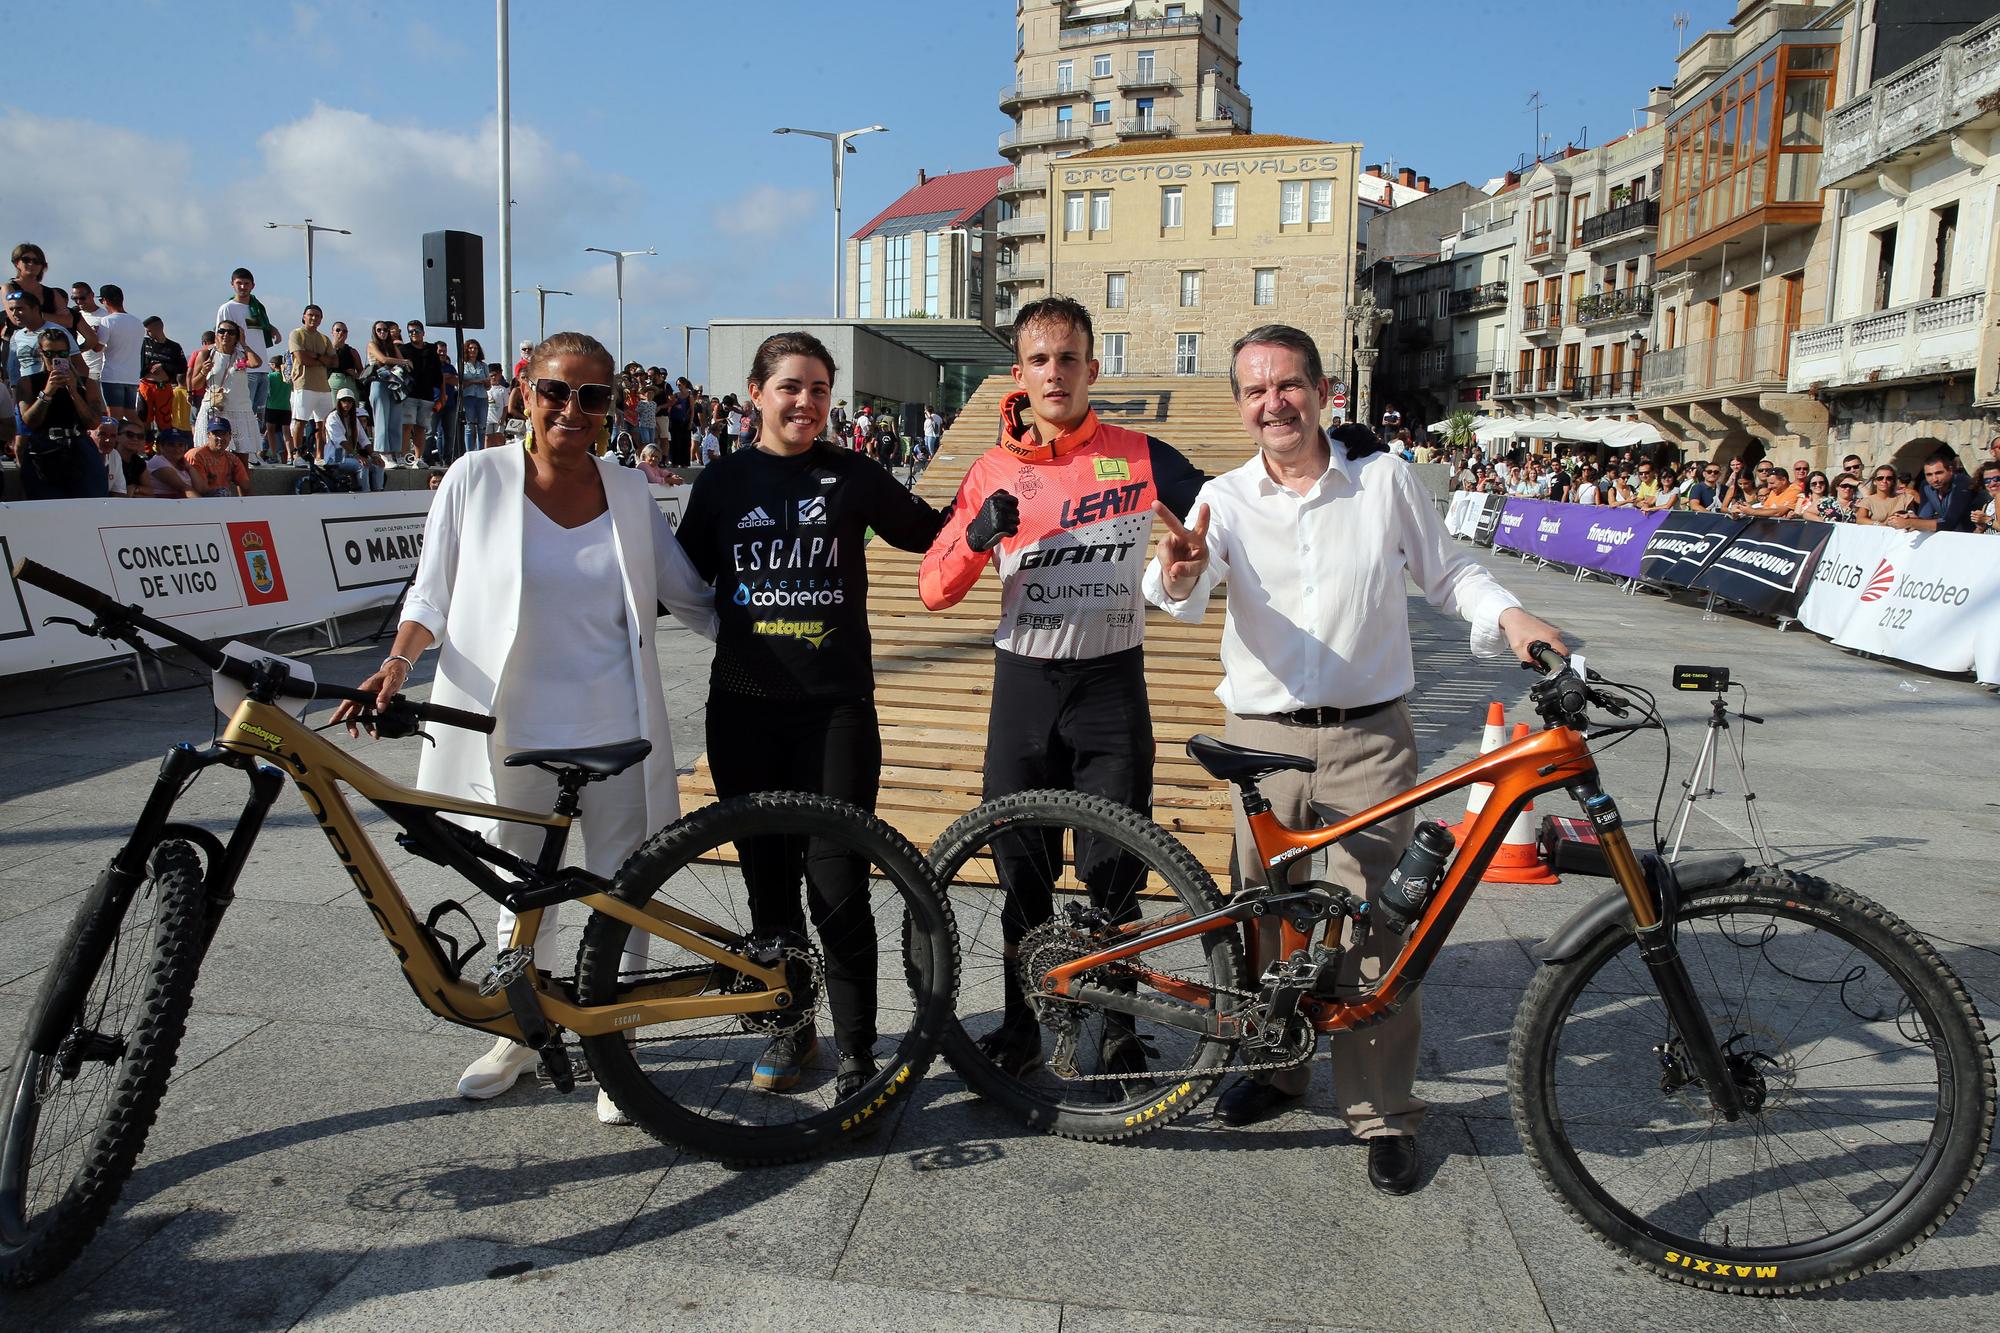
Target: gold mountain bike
<point>672,1045</point>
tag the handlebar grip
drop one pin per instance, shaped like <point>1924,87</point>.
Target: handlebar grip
<point>62,585</point>
<point>1547,657</point>
<point>455,717</point>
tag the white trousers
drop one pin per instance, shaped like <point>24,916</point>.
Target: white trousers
<point>613,824</point>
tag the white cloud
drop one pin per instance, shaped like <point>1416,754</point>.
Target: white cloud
<point>767,211</point>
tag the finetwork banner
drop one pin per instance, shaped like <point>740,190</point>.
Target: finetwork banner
<point>1609,541</point>
<point>215,568</point>
<point>1932,598</point>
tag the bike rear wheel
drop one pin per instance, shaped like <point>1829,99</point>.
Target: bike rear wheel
<point>691,1083</point>
<point>86,1084</point>
<point>1868,1083</point>
<point>1107,870</point>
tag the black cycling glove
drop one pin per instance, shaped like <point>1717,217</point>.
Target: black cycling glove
<point>999,517</point>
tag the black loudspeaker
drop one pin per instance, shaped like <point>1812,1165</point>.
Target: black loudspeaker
<point>454,280</point>
<point>913,421</point>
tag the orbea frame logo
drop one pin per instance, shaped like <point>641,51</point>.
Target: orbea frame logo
<point>1879,582</point>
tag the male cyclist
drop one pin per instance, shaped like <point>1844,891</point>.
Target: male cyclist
<point>1067,501</point>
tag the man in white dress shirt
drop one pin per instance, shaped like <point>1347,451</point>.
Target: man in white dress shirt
<point>1314,537</point>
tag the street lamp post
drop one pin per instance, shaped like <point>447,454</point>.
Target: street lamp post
<point>687,339</point>
<point>542,295</point>
<point>839,140</point>
<point>618,258</point>
<point>308,227</point>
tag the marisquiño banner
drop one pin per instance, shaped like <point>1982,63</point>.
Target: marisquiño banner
<point>1765,566</point>
<point>1591,536</point>
<point>1932,598</point>
<point>218,568</point>
<point>1683,546</point>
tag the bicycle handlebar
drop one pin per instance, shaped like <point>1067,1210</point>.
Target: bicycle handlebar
<point>122,622</point>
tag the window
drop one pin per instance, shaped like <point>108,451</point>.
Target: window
<point>1170,206</point>
<point>1191,287</point>
<point>1073,212</point>
<point>1884,245</point>
<point>1291,203</point>
<point>1322,202</point>
<point>1223,212</point>
<point>1065,75</point>
<point>1264,286</point>
<point>1145,66</point>
<point>1187,354</point>
<point>1100,211</point>
<point>1143,107</point>
<point>1064,115</point>
<point>1113,360</point>
<point>1944,236</point>
<point>1541,225</point>
<point>1100,67</point>
<point>931,293</point>
<point>1177,11</point>
<point>1100,112</point>
<point>896,277</point>
<point>865,275</point>
<point>1578,205</point>
<point>1114,291</point>
<point>1020,38</point>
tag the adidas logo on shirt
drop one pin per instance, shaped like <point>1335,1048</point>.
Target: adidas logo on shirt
<point>756,518</point>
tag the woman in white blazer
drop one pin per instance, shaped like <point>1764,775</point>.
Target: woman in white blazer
<point>551,630</point>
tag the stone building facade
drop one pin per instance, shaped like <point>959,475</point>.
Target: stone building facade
<point>1178,248</point>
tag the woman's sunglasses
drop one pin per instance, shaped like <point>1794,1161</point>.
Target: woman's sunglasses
<point>591,399</point>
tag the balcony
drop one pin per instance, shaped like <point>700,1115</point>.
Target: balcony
<point>1607,386</point>
<point>1035,136</point>
<point>1926,340</point>
<point>1017,273</point>
<point>1603,307</point>
<point>1936,95</point>
<point>1035,225</point>
<point>1735,363</point>
<point>1486,296</point>
<point>1021,94</point>
<point>1087,34</point>
<point>1134,77</point>
<point>1543,250</point>
<point>1510,385</point>
<point>1024,182</point>
<point>1540,320</point>
<point>1474,365</point>
<point>1626,222</point>
<point>1142,127</point>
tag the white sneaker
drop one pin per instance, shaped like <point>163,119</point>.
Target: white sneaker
<point>608,1112</point>
<point>496,1071</point>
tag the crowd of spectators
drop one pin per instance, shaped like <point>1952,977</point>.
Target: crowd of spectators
<point>1944,496</point>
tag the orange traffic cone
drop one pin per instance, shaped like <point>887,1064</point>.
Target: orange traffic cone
<point>1490,740</point>
<point>1517,861</point>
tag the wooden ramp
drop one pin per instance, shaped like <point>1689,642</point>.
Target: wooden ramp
<point>934,669</point>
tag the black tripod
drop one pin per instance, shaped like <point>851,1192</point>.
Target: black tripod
<point>1700,784</point>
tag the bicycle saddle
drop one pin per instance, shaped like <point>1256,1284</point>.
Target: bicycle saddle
<point>604,761</point>
<point>1237,763</point>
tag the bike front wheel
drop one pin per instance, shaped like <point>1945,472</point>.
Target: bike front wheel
<point>91,1069</point>
<point>1044,877</point>
<point>877,971</point>
<point>1867,1082</point>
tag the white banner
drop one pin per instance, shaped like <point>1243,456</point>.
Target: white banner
<point>1932,598</point>
<point>1462,519</point>
<point>218,568</point>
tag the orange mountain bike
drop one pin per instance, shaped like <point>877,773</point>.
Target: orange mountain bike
<point>1748,1080</point>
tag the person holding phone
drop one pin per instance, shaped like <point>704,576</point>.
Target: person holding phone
<point>59,405</point>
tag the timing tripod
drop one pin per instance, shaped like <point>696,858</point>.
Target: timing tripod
<point>1700,784</point>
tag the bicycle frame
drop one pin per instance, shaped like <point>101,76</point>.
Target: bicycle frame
<point>1519,771</point>
<point>270,744</point>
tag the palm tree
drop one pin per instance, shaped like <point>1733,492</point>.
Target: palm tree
<point>1458,427</point>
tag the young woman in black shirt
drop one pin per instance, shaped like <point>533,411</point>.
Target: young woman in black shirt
<point>781,529</point>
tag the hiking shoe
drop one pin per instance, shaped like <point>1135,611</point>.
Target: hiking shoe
<point>777,1069</point>
<point>855,1071</point>
<point>1015,1047</point>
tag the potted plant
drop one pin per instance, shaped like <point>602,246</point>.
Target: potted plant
<point>1621,195</point>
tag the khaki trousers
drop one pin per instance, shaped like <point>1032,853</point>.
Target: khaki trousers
<point>1358,764</point>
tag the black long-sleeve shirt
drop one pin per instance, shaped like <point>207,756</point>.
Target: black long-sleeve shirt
<point>784,541</point>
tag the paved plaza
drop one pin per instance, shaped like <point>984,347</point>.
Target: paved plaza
<point>312,1167</point>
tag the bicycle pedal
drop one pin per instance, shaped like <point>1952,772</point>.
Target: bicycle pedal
<point>557,1069</point>
<point>506,970</point>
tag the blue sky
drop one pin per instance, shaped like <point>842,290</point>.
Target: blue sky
<point>161,136</point>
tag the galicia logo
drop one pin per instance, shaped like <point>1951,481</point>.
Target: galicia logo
<point>1879,582</point>
<point>1837,573</point>
<point>756,518</point>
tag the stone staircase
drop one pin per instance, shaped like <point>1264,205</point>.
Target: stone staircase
<point>934,670</point>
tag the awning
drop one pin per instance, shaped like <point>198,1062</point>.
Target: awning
<point>965,342</point>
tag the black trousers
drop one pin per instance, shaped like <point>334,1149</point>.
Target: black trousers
<point>830,749</point>
<point>1074,725</point>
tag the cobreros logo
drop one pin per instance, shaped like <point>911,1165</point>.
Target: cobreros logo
<point>776,597</point>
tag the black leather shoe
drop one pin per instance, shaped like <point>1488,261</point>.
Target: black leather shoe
<point>1393,1163</point>
<point>1246,1101</point>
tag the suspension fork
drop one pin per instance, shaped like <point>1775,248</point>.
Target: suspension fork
<point>1649,890</point>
